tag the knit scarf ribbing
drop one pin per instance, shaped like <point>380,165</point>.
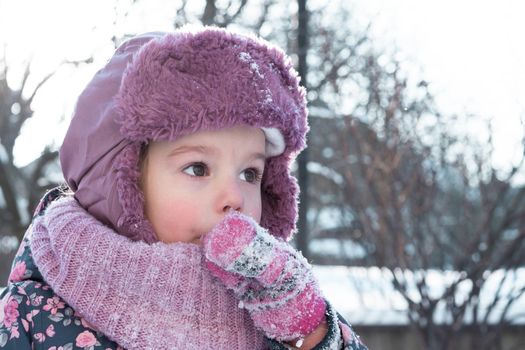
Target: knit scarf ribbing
<point>142,296</point>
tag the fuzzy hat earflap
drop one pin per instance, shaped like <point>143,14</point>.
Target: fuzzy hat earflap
<point>161,86</point>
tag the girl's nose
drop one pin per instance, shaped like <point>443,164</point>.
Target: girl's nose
<point>231,197</point>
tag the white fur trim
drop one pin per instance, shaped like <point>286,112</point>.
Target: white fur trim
<point>274,142</point>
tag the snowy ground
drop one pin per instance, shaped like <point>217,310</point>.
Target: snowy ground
<point>364,296</point>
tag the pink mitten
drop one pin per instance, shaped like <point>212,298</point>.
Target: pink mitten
<point>273,281</point>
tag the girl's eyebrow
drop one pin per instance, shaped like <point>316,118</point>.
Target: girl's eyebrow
<point>197,149</point>
<point>258,156</point>
<point>209,150</point>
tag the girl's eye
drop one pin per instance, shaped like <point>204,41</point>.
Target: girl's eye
<point>196,169</point>
<point>251,175</point>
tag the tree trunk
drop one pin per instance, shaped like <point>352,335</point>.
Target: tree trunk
<point>302,160</point>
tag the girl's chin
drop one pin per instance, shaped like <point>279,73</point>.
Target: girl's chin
<point>197,240</point>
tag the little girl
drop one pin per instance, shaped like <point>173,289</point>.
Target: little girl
<point>172,230</point>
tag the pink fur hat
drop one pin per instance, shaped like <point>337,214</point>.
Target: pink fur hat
<point>161,86</point>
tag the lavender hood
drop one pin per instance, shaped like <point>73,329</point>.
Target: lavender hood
<point>161,86</point>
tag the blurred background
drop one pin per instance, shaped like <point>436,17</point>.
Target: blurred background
<point>413,184</point>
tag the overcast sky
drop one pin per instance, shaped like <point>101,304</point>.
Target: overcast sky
<point>471,51</point>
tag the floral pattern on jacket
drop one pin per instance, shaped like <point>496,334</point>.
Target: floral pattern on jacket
<point>32,316</point>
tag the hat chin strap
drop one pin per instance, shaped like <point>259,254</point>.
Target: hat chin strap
<point>274,141</point>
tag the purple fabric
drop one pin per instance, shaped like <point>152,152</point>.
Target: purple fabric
<point>161,86</point>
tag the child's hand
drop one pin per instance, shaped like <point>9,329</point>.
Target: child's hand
<point>272,280</point>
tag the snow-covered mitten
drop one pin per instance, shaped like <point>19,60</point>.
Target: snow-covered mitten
<point>273,281</point>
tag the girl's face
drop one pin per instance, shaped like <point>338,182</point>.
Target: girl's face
<point>191,183</point>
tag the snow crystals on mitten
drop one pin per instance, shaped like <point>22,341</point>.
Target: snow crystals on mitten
<point>279,289</point>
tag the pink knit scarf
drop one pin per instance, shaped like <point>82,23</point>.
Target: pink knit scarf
<point>142,296</point>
